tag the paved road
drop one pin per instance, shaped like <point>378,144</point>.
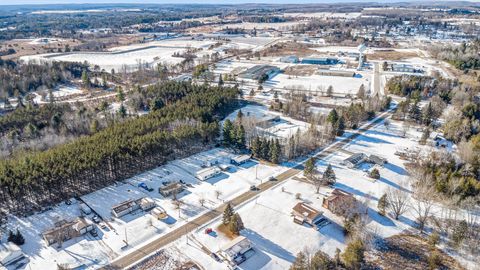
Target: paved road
<point>174,235</point>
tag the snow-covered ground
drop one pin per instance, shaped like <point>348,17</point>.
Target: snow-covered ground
<point>320,83</point>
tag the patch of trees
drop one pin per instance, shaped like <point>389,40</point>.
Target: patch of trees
<point>464,56</point>
<point>18,79</point>
<point>16,238</point>
<point>266,149</point>
<point>186,124</point>
<point>234,133</point>
<point>422,86</point>
<point>232,220</point>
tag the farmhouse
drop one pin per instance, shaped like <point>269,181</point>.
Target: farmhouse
<point>170,189</point>
<point>208,173</point>
<point>340,202</point>
<point>10,254</point>
<point>354,160</point>
<point>129,206</point>
<point>66,230</point>
<point>304,213</point>
<point>234,251</point>
<point>320,61</point>
<point>259,71</point>
<point>239,160</point>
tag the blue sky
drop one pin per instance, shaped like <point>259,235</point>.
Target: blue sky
<point>19,2</point>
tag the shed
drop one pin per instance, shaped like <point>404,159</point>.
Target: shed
<point>354,160</point>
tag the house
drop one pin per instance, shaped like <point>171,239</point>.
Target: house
<point>354,160</point>
<point>159,213</point>
<point>377,160</point>
<point>65,230</point>
<point>129,206</point>
<point>340,202</point>
<point>170,189</point>
<point>146,203</point>
<point>10,254</point>
<point>240,159</point>
<point>235,250</point>
<point>123,208</point>
<point>304,213</point>
<point>208,173</point>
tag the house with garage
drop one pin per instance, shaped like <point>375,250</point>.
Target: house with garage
<point>207,173</point>
<point>304,213</point>
<point>129,206</point>
<point>234,251</point>
<point>64,230</point>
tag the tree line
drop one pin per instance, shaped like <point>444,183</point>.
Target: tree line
<point>185,125</point>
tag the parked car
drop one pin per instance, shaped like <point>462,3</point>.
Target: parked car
<point>94,233</point>
<point>253,188</point>
<point>272,178</point>
<point>96,219</point>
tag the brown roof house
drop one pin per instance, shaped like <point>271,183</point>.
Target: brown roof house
<point>304,213</point>
<point>65,230</point>
<point>341,202</point>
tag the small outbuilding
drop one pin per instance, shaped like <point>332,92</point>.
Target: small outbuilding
<point>377,160</point>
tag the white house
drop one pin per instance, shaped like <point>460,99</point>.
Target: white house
<point>234,250</point>
<point>10,253</point>
<point>208,173</point>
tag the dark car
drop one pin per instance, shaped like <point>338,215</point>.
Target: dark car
<point>253,188</point>
<point>94,233</point>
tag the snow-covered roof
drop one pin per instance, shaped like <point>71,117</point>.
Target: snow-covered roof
<point>9,252</point>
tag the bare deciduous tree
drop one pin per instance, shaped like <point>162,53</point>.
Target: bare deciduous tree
<point>397,201</point>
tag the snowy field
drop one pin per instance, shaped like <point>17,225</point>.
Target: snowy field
<point>320,83</point>
<point>128,57</point>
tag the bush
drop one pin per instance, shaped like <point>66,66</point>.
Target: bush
<point>375,174</point>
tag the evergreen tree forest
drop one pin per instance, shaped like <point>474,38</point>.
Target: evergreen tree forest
<point>187,123</point>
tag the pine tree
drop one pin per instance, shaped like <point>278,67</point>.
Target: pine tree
<point>354,254</point>
<point>19,239</point>
<point>309,168</point>
<point>382,205</point>
<point>104,81</point>
<point>300,262</point>
<point>340,126</point>
<point>332,117</point>
<point>255,146</point>
<point>414,112</point>
<point>122,111</point>
<point>329,175</point>
<point>228,214</point>
<point>427,114</point>
<point>11,236</point>
<point>227,131</point>
<point>375,174</point>
<point>240,137</point>
<point>275,152</point>
<point>236,224</point>
<point>85,79</point>
<point>220,80</point>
